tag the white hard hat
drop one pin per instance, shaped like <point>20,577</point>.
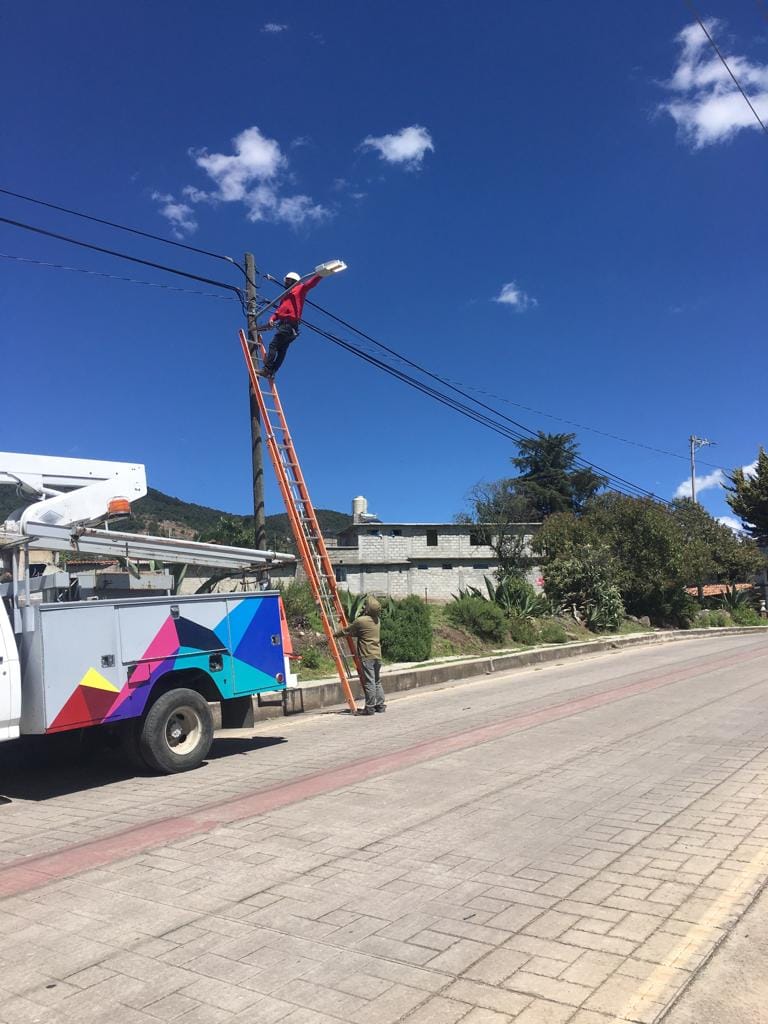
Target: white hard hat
<point>292,276</point>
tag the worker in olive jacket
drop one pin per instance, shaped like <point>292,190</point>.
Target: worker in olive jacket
<point>366,629</point>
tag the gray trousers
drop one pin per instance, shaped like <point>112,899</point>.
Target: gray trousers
<point>374,691</point>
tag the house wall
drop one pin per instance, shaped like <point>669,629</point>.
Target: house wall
<point>397,561</point>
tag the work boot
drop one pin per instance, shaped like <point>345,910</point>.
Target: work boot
<point>380,709</point>
<point>366,711</point>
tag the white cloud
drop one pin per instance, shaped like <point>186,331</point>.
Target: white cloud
<point>706,105</point>
<point>256,158</point>
<point>751,469</point>
<point>253,174</point>
<point>179,215</point>
<point>406,147</point>
<point>731,523</point>
<point>513,295</point>
<point>273,28</point>
<point>703,483</point>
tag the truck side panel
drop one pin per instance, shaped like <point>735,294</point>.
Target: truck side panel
<point>100,660</point>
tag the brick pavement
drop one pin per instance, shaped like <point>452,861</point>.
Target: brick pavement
<point>579,871</point>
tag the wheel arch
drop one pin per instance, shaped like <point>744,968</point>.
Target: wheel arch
<point>184,678</point>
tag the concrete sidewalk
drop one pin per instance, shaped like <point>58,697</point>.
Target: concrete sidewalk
<point>565,843</point>
<point>326,693</point>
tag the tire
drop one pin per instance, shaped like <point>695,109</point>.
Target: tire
<point>130,746</point>
<point>177,732</point>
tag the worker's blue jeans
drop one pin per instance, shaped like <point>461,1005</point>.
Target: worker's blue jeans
<point>278,347</point>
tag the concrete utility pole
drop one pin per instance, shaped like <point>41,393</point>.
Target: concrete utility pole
<point>257,450</point>
<point>696,442</point>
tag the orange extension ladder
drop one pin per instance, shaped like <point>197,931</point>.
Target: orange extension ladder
<point>303,520</point>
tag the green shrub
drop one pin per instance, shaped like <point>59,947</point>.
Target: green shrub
<point>551,632</point>
<point>523,631</point>
<point>746,616</point>
<point>299,604</point>
<point>586,583</point>
<point>310,658</point>
<point>406,630</point>
<point>713,617</point>
<point>478,616</point>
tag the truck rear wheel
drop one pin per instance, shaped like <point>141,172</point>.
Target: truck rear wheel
<point>177,732</point>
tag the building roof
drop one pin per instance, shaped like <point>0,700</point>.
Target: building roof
<point>430,526</point>
<point>715,589</point>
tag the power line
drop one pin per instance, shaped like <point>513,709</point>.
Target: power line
<point>116,277</point>
<point>122,255</point>
<point>473,414</point>
<point>725,64</point>
<point>521,426</point>
<point>119,227</point>
<point>461,387</point>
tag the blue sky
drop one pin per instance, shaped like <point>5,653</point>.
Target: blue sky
<point>589,164</point>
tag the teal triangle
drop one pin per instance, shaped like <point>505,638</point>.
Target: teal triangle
<point>252,678</point>
<point>239,620</point>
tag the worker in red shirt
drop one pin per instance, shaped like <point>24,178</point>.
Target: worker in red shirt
<point>286,319</point>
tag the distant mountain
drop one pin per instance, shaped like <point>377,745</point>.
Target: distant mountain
<point>161,514</point>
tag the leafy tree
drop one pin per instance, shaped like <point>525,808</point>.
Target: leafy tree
<point>748,497</point>
<point>657,550</point>
<point>498,512</point>
<point>549,482</point>
<point>549,477</point>
<point>712,551</point>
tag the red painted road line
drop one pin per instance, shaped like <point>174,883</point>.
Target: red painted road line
<point>34,872</point>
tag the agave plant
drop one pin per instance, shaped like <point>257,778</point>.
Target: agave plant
<point>517,597</point>
<point>732,600</point>
<point>352,604</point>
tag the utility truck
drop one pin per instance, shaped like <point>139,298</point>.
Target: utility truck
<point>147,668</point>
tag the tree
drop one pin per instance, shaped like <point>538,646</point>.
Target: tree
<point>712,551</point>
<point>656,550</point>
<point>549,482</point>
<point>498,514</point>
<point>748,497</point>
<point>549,477</point>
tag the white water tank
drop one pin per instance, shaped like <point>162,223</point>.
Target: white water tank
<point>359,508</point>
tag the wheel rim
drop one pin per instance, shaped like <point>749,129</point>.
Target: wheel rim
<point>183,730</point>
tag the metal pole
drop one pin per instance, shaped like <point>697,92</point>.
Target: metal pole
<point>693,440</point>
<point>257,451</point>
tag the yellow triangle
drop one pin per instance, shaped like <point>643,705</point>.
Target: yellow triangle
<point>97,681</point>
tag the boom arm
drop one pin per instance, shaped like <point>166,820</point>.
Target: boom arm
<point>75,494</point>
<point>69,492</point>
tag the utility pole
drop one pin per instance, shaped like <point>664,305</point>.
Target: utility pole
<point>696,442</point>
<point>257,450</point>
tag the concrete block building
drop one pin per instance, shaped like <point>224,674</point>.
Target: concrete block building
<point>431,560</point>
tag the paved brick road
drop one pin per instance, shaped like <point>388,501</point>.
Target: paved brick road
<point>560,844</point>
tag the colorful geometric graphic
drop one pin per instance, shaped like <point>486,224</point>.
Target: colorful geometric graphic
<point>249,639</point>
<point>90,702</point>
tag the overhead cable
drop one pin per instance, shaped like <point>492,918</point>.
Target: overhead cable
<point>726,65</point>
<point>116,277</point>
<point>473,414</point>
<point>119,227</point>
<point>462,388</point>
<point>122,255</point>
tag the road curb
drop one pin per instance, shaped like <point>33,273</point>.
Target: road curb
<point>326,693</point>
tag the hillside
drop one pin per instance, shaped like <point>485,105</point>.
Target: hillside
<point>160,513</point>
